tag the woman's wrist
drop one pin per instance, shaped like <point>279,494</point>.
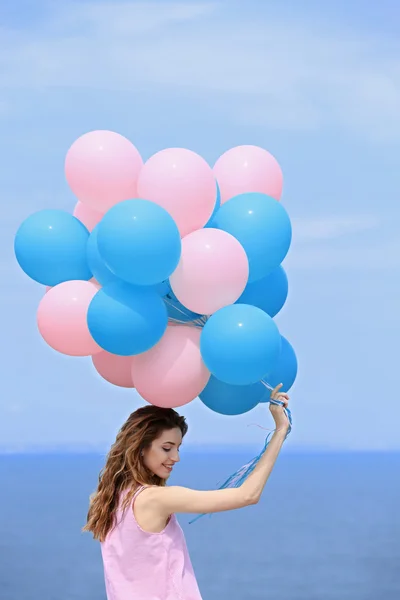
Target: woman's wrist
<point>282,429</point>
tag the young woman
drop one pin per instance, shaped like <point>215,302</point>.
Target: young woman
<point>132,513</point>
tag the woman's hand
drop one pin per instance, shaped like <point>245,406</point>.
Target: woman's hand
<point>278,413</point>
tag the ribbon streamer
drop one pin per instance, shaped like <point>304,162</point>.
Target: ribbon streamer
<point>199,322</point>
<point>236,479</point>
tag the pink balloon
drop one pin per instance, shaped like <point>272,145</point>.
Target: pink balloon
<point>248,169</point>
<point>61,318</point>
<point>87,215</point>
<point>102,168</point>
<point>212,272</point>
<point>93,280</point>
<point>183,183</point>
<point>114,369</point>
<point>172,373</point>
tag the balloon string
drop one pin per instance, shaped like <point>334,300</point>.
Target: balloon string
<point>197,322</point>
<point>175,307</point>
<point>257,425</point>
<point>267,385</point>
<point>237,478</point>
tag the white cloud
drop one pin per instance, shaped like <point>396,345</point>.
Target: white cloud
<point>335,243</point>
<point>109,21</point>
<point>377,257</point>
<point>331,227</point>
<point>271,71</point>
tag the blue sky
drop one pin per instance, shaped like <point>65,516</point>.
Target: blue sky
<point>319,87</point>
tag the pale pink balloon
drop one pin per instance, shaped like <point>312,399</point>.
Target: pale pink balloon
<point>102,169</point>
<point>87,215</point>
<point>61,318</point>
<point>93,280</point>
<point>172,373</point>
<point>248,169</point>
<point>114,369</point>
<point>183,183</point>
<point>212,272</point>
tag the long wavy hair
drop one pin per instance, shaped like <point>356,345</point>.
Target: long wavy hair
<point>124,468</point>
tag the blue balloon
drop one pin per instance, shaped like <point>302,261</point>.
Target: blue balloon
<point>240,344</point>
<point>103,274</point>
<point>100,271</point>
<point>125,319</point>
<point>261,225</point>
<point>285,368</point>
<point>50,247</point>
<point>139,242</point>
<point>227,399</point>
<point>269,293</point>
<point>176,310</point>
<point>162,288</point>
<point>216,208</point>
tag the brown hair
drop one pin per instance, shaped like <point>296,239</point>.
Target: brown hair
<point>124,468</point>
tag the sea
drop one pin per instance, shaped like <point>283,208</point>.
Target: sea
<point>327,528</point>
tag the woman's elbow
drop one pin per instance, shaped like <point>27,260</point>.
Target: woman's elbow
<point>250,500</point>
<point>254,500</point>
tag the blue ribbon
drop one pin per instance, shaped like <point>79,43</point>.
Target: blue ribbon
<point>236,479</point>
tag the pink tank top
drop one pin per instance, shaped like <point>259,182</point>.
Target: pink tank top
<point>139,565</point>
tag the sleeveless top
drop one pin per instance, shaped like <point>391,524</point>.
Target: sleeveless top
<point>147,566</point>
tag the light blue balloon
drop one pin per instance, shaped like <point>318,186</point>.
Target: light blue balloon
<point>125,319</point>
<point>240,344</point>
<point>285,368</point>
<point>162,288</point>
<point>261,225</point>
<point>50,247</point>
<point>139,242</point>
<point>176,310</point>
<point>100,271</point>
<point>227,399</point>
<point>216,208</point>
<point>268,293</point>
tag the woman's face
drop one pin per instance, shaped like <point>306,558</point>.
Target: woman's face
<point>163,453</point>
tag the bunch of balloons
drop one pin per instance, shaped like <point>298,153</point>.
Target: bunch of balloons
<point>168,273</point>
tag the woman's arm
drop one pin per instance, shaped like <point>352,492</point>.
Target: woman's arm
<point>255,482</point>
<point>178,499</point>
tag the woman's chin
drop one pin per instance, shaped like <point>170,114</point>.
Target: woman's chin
<point>162,474</point>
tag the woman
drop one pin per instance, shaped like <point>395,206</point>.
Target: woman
<point>132,513</point>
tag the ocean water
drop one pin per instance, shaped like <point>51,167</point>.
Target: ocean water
<point>327,528</point>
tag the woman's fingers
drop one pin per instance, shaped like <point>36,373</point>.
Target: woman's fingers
<point>275,391</point>
<point>282,396</point>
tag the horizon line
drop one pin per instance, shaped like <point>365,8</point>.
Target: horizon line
<point>99,449</point>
